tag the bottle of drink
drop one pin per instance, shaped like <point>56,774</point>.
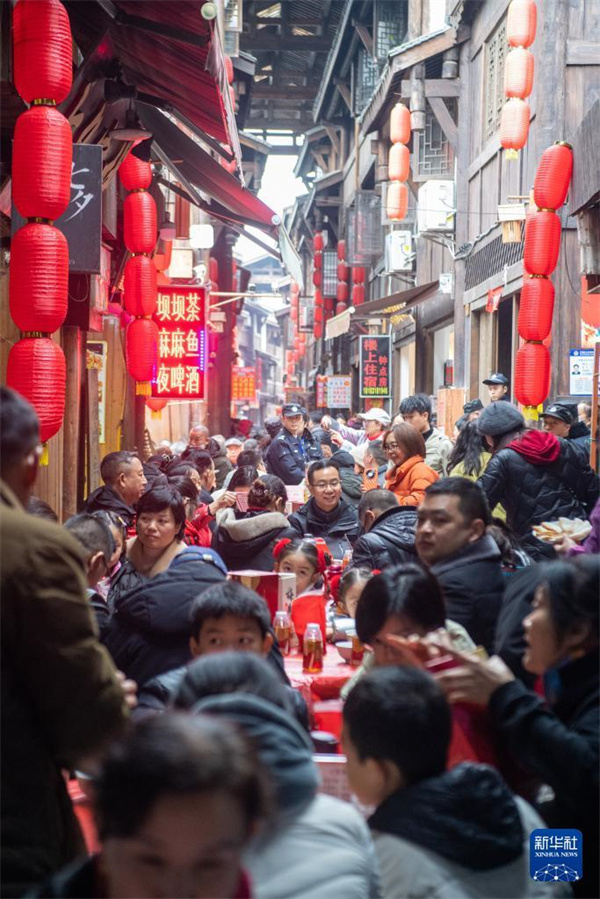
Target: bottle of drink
<point>312,653</point>
<point>283,631</point>
<point>358,652</point>
<point>347,557</point>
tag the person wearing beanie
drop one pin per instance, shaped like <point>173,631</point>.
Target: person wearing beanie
<point>535,475</point>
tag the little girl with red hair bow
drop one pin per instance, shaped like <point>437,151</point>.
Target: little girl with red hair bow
<point>307,559</point>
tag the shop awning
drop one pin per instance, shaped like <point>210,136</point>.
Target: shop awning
<point>166,50</point>
<point>394,304</point>
<point>338,324</point>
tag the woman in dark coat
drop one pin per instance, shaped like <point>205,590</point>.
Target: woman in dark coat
<point>246,539</point>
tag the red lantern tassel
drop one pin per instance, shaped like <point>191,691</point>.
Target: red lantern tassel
<point>143,388</point>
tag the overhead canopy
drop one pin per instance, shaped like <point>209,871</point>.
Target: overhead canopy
<point>394,304</point>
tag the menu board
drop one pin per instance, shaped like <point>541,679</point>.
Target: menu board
<point>375,366</point>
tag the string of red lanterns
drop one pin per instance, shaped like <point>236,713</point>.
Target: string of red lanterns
<point>41,189</point>
<point>359,277</point>
<point>542,247</point>
<point>398,163</point>
<point>342,293</point>
<point>521,25</point>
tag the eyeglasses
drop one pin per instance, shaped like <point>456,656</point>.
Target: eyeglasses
<point>323,485</point>
<point>390,447</point>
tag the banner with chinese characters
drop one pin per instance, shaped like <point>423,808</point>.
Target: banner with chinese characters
<point>339,391</point>
<point>375,366</point>
<point>243,384</point>
<point>321,391</point>
<point>180,316</point>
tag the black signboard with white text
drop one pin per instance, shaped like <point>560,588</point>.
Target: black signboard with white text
<point>375,366</point>
<point>82,222</point>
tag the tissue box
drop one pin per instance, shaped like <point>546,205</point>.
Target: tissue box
<point>278,589</point>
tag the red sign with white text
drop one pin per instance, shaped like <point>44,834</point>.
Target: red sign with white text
<point>182,350</point>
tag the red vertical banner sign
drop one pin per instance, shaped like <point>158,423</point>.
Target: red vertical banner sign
<point>321,391</point>
<point>375,356</point>
<point>182,343</point>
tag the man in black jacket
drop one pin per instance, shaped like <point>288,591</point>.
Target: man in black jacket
<point>124,479</point>
<point>560,419</point>
<point>389,537</point>
<point>294,447</point>
<point>451,540</point>
<point>326,514</point>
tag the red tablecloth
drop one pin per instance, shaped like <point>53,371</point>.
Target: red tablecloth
<point>325,685</point>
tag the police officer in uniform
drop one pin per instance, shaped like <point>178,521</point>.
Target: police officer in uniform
<point>294,447</point>
<point>498,385</point>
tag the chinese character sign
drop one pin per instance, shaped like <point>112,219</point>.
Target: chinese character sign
<point>375,366</point>
<point>321,391</point>
<point>243,384</point>
<point>339,391</point>
<point>180,316</point>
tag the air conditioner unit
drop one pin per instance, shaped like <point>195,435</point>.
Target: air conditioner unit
<point>399,255</point>
<point>436,206</point>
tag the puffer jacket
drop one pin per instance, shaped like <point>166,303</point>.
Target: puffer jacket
<point>351,482</point>
<point>247,541</point>
<point>579,435</point>
<point>438,448</point>
<point>539,477</point>
<point>456,836</point>
<point>390,541</point>
<point>334,527</point>
<point>409,481</point>
<point>105,499</point>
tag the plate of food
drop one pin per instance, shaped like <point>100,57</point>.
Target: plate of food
<point>553,531</point>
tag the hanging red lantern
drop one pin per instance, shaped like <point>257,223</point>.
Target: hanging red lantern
<point>229,69</point>
<point>162,261</point>
<point>521,23</point>
<point>141,351</point>
<point>134,173</point>
<point>398,162</point>
<point>139,222</point>
<point>317,277</point>
<point>39,278</point>
<point>213,269</point>
<point>359,274</point>
<point>518,73</point>
<point>41,163</point>
<point>318,298</point>
<point>341,250</point>
<point>318,242</point>
<point>37,370</point>
<point>396,201</point>
<point>43,51</point>
<point>532,374</point>
<point>553,175</point>
<point>156,406</point>
<point>342,292</point>
<point>514,124</point>
<point>294,314</point>
<point>139,285</point>
<point>400,124</point>
<point>542,243</point>
<point>318,260</point>
<point>536,308</point>
<point>340,308</point>
<point>318,330</point>
<point>343,271</point>
<point>329,306</point>
<point>358,294</point>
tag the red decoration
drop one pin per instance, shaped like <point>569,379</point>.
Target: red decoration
<point>139,285</point>
<point>213,269</point>
<point>542,243</point>
<point>156,406</point>
<point>532,374</point>
<point>41,162</point>
<point>536,308</point>
<point>37,370</point>
<point>514,124</point>
<point>329,306</point>
<point>318,298</point>
<point>343,271</point>
<point>359,274</point>
<point>342,292</point>
<point>400,124</point>
<point>43,52</point>
<point>553,176</point>
<point>590,305</point>
<point>229,69</point>
<point>340,307</point>
<point>318,260</point>
<point>397,200</point>
<point>317,277</point>
<point>163,260</point>
<point>139,220</point>
<point>39,278</point>
<point>521,23</point>
<point>341,250</point>
<point>134,173</point>
<point>318,242</point>
<point>518,73</point>
<point>398,162</point>
<point>358,294</point>
<point>141,352</point>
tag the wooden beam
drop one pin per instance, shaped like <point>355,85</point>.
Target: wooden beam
<point>266,42</point>
<point>583,53</point>
<point>290,93</point>
<point>333,137</point>
<point>320,159</point>
<point>434,87</point>
<point>344,90</point>
<point>365,36</point>
<point>271,124</point>
<point>445,120</point>
<point>327,201</point>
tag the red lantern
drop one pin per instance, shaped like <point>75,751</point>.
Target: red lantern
<point>397,200</point>
<point>294,314</point>
<point>514,124</point>
<point>536,308</point>
<point>329,306</point>
<point>232,97</point>
<point>341,250</point>
<point>134,173</point>
<point>139,221</point>
<point>343,271</point>
<point>542,243</point>
<point>521,23</point>
<point>41,163</point>
<point>553,176</point>
<point>359,274</point>
<point>518,73</point>
<point>39,278</point>
<point>141,352</point>
<point>318,298</point>
<point>37,370</point>
<point>532,374</point>
<point>318,260</point>
<point>318,314</point>
<point>139,285</point>
<point>398,162</point>
<point>156,406</point>
<point>318,242</point>
<point>229,69</point>
<point>318,330</point>
<point>400,124</point>
<point>317,277</point>
<point>163,260</point>
<point>213,269</point>
<point>43,52</point>
<point>342,292</point>
<point>358,294</point>
<point>340,307</point>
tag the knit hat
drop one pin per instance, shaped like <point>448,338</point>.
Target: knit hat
<point>499,418</point>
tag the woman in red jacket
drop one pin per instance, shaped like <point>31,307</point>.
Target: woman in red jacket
<point>410,476</point>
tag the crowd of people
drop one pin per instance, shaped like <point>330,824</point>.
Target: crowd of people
<point>132,661</point>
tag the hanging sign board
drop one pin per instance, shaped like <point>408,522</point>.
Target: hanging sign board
<point>581,370</point>
<point>375,355</point>
<point>243,384</point>
<point>82,222</point>
<point>180,316</point>
<point>339,391</point>
<point>321,391</point>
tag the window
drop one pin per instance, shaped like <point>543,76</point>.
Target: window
<point>434,153</point>
<point>366,74</point>
<point>495,55</point>
<point>391,23</point>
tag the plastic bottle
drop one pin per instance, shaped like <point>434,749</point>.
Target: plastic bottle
<point>283,631</point>
<point>312,654</point>
<point>347,557</point>
<point>358,652</point>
